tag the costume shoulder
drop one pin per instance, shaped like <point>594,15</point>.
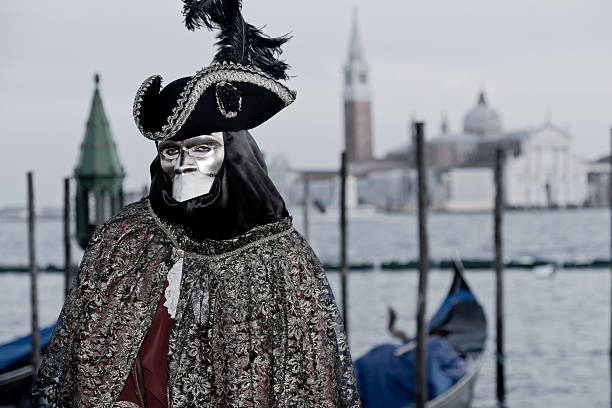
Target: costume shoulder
<point>131,218</point>
<point>120,238</point>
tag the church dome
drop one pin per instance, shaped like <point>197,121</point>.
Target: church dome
<point>482,119</point>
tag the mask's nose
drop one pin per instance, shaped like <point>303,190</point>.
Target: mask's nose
<point>185,164</point>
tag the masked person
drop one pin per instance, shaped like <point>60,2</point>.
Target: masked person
<point>203,294</point>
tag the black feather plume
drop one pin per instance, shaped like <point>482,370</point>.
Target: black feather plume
<point>237,41</point>
<point>201,13</point>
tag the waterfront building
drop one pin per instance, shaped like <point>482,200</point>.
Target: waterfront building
<point>599,182</point>
<point>357,102</point>
<point>540,172</point>
<point>99,173</point>
<point>540,169</point>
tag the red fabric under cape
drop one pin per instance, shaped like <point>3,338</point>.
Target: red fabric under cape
<point>153,357</point>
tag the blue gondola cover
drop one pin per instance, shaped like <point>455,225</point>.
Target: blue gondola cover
<point>20,349</point>
<point>387,381</point>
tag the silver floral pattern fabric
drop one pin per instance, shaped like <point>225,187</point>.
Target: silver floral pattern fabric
<point>256,323</point>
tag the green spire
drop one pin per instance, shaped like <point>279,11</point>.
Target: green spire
<point>99,156</point>
<point>99,173</point>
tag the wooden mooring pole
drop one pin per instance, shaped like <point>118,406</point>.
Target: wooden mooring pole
<point>33,276</point>
<point>500,157</point>
<point>306,229</point>
<point>420,379</point>
<point>67,248</point>
<point>343,241</point>
<point>610,207</point>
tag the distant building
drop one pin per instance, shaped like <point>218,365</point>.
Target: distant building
<point>99,173</point>
<point>357,103</point>
<point>467,189</point>
<point>540,169</point>
<point>599,183</point>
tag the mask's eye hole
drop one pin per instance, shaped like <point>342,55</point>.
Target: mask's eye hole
<point>170,153</point>
<point>200,150</point>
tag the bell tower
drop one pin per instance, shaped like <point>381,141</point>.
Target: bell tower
<point>99,173</point>
<point>357,105</point>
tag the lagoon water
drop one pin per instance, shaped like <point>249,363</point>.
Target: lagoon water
<point>557,330</point>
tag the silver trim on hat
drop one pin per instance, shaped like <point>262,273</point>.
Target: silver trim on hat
<point>197,85</point>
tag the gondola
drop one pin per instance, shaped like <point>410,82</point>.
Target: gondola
<point>16,371</point>
<point>458,331</point>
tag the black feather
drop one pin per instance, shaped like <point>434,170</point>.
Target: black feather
<point>200,13</point>
<point>237,41</point>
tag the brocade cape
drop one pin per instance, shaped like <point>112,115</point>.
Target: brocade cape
<point>256,323</point>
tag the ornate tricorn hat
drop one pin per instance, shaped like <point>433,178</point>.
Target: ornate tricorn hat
<point>239,91</point>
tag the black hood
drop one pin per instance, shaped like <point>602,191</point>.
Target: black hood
<point>242,196</point>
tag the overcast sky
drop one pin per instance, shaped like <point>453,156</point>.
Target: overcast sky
<point>426,58</point>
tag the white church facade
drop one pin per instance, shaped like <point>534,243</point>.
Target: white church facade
<point>544,173</point>
<point>540,169</point>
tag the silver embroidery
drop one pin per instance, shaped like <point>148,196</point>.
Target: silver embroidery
<point>125,404</point>
<point>197,85</point>
<point>199,302</point>
<point>221,106</point>
<point>173,291</point>
<point>138,99</point>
